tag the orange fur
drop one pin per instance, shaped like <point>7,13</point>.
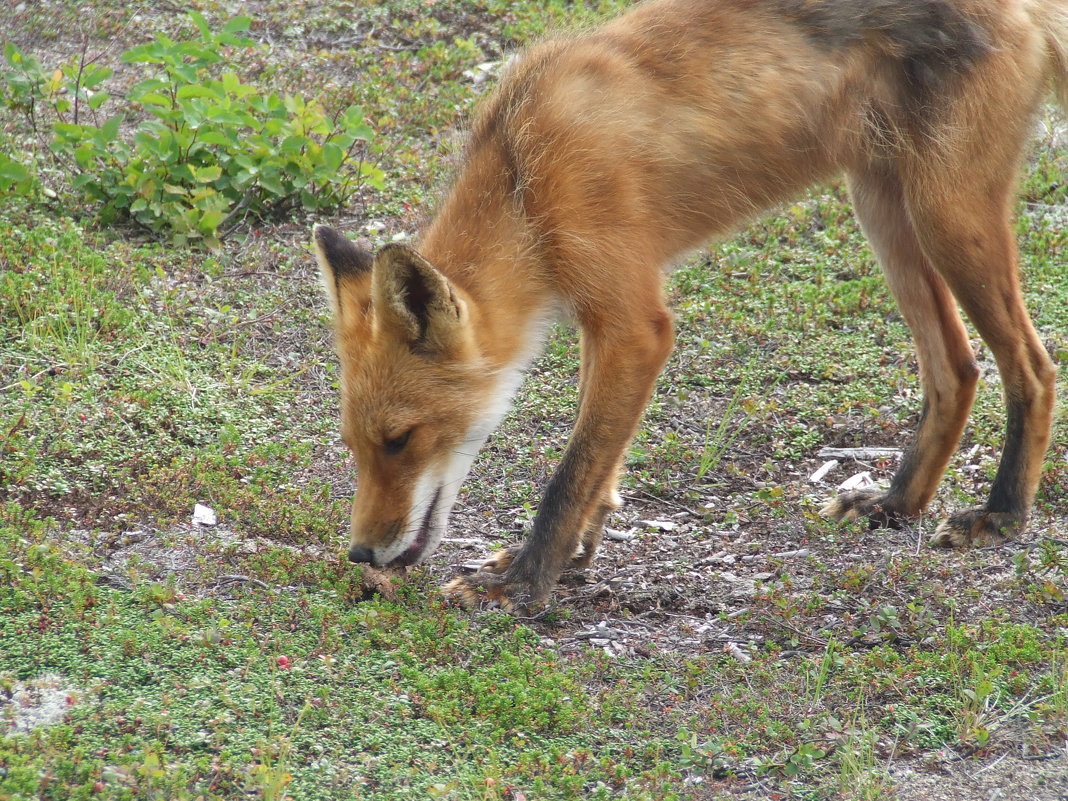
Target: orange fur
<point>603,157</point>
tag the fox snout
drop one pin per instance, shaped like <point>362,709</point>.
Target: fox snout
<point>374,543</point>
<point>361,555</point>
<point>372,539</point>
<point>397,543</point>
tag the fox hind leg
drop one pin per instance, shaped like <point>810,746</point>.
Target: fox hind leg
<point>969,236</point>
<point>948,372</point>
<point>942,241</point>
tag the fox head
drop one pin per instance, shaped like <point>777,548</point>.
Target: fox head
<point>416,395</point>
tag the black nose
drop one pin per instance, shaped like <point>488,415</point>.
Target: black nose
<point>361,555</point>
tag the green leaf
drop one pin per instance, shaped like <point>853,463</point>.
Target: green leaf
<point>332,156</point>
<point>271,105</point>
<point>225,116</point>
<point>186,72</point>
<point>93,76</point>
<point>153,98</point>
<point>145,86</point>
<point>202,25</point>
<point>97,99</point>
<point>206,175</point>
<point>275,126</point>
<point>230,82</point>
<point>355,123</point>
<point>244,178</point>
<point>70,132</point>
<point>12,55</point>
<point>373,176</point>
<point>14,177</point>
<point>218,136</point>
<point>198,90</point>
<point>210,220</point>
<point>182,172</point>
<point>292,145</point>
<point>237,24</point>
<point>109,131</point>
<point>191,118</point>
<point>244,90</point>
<point>151,53</point>
<point>272,184</point>
<point>341,140</point>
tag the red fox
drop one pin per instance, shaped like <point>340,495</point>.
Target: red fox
<point>603,157</point>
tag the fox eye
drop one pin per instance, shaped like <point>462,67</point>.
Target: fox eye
<point>396,444</point>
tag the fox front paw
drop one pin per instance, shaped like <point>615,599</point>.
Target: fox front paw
<point>977,527</point>
<point>876,505</point>
<point>486,590</point>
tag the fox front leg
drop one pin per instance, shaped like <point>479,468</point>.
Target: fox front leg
<point>620,369</point>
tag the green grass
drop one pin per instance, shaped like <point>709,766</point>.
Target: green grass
<point>301,692</point>
<point>124,378</point>
<point>137,380</point>
<point>296,691</point>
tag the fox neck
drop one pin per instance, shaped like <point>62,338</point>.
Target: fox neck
<point>483,243</point>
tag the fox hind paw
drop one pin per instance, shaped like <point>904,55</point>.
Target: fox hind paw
<point>876,505</point>
<point>976,527</point>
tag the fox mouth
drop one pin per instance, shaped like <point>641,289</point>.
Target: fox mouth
<point>414,552</point>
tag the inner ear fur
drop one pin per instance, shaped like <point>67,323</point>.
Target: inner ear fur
<point>417,301</point>
<point>345,268</point>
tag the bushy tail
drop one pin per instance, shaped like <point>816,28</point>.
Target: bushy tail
<point>1052,17</point>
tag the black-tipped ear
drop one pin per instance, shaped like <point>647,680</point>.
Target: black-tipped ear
<point>342,255</point>
<point>417,299</point>
<point>340,261</point>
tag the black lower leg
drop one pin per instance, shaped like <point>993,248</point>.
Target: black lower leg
<point>1008,493</point>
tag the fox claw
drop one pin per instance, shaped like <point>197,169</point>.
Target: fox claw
<point>499,561</point>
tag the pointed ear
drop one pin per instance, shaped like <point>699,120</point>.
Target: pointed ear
<point>418,303</point>
<point>345,268</point>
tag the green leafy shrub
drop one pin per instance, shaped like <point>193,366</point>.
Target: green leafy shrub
<point>208,149</point>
